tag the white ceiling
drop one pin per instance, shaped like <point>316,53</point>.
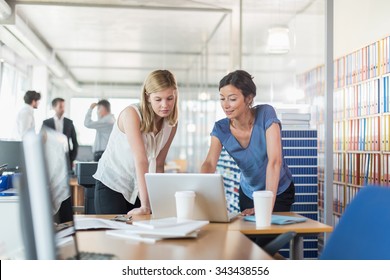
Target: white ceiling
<point>118,42</point>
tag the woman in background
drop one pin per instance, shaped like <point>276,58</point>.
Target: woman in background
<point>252,137</point>
<point>138,144</point>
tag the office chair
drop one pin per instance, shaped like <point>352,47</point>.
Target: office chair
<point>363,232</point>
<point>278,243</point>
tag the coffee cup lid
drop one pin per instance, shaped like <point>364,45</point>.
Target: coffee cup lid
<point>263,193</point>
<point>185,194</point>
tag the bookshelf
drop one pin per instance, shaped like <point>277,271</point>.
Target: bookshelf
<point>361,126</point>
<point>300,153</point>
<point>362,98</point>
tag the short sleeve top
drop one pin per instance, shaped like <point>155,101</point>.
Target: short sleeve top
<point>116,168</point>
<point>253,160</point>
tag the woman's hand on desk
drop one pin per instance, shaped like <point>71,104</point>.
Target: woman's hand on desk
<point>248,212</point>
<point>140,211</point>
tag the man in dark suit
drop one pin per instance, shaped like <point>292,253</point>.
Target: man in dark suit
<point>63,125</point>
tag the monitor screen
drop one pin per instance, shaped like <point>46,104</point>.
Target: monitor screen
<point>84,153</point>
<point>11,154</point>
<point>46,208</point>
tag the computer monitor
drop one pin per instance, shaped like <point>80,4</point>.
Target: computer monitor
<point>45,194</point>
<point>11,154</point>
<point>84,153</point>
<point>36,202</point>
<point>46,209</point>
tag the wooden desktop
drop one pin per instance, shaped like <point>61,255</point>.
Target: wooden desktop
<point>215,241</point>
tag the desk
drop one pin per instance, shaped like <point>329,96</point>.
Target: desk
<point>209,245</point>
<point>11,239</point>
<point>77,196</point>
<point>310,227</point>
<point>216,241</point>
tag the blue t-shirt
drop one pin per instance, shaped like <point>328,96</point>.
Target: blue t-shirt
<point>253,160</point>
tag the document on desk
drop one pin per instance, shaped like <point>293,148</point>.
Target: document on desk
<point>160,229</point>
<point>162,223</point>
<point>147,238</point>
<point>85,223</point>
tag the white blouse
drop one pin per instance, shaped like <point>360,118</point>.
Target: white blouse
<point>116,168</point>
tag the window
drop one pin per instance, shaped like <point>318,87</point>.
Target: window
<point>13,87</point>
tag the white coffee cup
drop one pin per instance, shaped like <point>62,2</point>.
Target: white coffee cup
<point>263,207</point>
<point>185,201</point>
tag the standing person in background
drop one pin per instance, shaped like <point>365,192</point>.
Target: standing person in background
<point>25,118</point>
<point>65,126</point>
<point>252,137</point>
<point>103,126</point>
<point>138,144</point>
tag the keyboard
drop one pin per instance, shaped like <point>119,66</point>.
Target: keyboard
<point>94,256</point>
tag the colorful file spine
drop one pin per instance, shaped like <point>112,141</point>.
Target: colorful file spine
<point>361,114</point>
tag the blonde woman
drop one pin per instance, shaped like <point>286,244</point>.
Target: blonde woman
<point>138,144</point>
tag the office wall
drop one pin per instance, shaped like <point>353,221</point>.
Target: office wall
<point>358,23</point>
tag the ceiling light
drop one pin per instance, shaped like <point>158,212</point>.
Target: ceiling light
<point>278,40</point>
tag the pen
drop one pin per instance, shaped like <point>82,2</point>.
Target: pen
<point>122,218</point>
<point>7,194</point>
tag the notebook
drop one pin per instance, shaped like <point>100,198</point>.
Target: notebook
<point>157,229</point>
<point>279,219</point>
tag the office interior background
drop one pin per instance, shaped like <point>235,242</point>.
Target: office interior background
<point>84,51</point>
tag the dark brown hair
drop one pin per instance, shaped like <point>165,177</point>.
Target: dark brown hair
<point>241,80</point>
<point>105,103</point>
<point>57,100</point>
<point>31,96</point>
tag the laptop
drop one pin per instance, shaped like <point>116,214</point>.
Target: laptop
<point>210,200</point>
<point>45,200</point>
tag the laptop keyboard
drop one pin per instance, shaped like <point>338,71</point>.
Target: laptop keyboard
<point>94,256</point>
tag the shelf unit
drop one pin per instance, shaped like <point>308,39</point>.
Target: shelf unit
<point>361,127</point>
<point>300,153</point>
<point>362,101</point>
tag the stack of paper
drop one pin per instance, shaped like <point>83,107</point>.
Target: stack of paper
<point>295,121</point>
<point>84,223</point>
<point>158,229</point>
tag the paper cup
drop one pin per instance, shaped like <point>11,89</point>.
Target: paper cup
<point>263,207</point>
<point>185,201</point>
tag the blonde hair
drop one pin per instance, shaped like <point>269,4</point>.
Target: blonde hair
<point>156,81</point>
